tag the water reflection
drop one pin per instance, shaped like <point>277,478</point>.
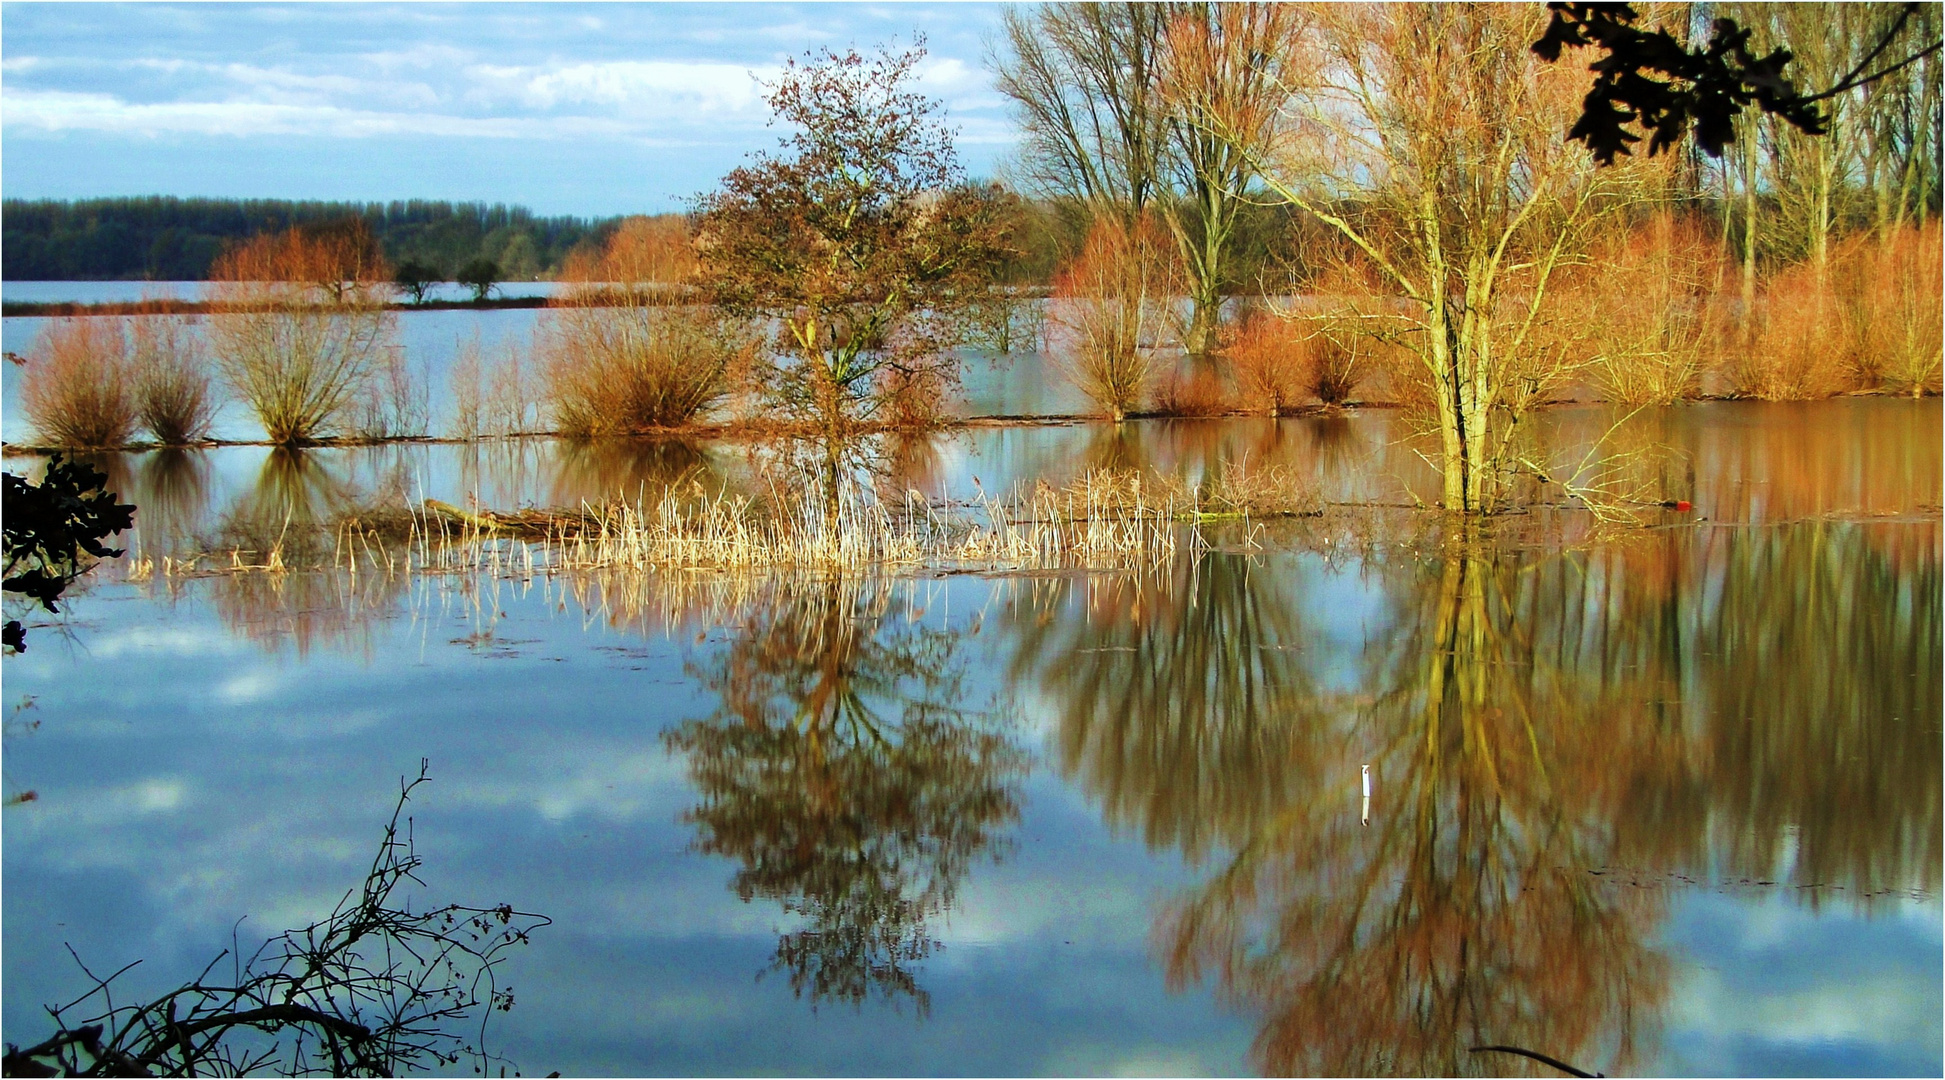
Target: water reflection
<point>601,470</point>
<point>1184,701</point>
<point>1464,913</point>
<point>844,773</point>
<point>1560,741</point>
<point>172,497</point>
<point>289,522</point>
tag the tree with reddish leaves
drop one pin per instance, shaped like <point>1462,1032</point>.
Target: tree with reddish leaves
<point>861,238</point>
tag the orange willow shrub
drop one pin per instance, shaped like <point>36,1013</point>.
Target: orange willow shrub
<point>1799,340</point>
<point>1270,359</point>
<point>626,349</point>
<point>1279,361</point>
<point>169,364</point>
<point>1893,288</point>
<point>1872,320</point>
<point>303,327</point>
<point>1111,312</point>
<point>1642,314</point>
<point>76,387</point>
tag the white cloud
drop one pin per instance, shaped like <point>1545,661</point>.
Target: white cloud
<point>59,111</point>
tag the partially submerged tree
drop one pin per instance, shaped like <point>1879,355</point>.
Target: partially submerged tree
<point>861,239</point>
<point>415,278</point>
<point>1111,98</point>
<point>1428,141</point>
<point>479,275</point>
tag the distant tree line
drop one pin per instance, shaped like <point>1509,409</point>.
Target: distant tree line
<point>171,239</point>
<point>162,238</point>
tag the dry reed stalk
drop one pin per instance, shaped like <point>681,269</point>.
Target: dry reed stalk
<point>77,388</point>
<point>1101,521</point>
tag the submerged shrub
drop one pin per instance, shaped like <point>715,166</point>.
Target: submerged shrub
<point>625,352</point>
<point>76,387</point>
<point>1897,302</point>
<point>1269,358</point>
<point>1110,314</point>
<point>615,370</point>
<point>171,372</point>
<point>1644,311</point>
<point>304,328</point>
<point>1800,343</point>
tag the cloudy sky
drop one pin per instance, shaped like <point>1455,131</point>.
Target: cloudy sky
<point>566,108</point>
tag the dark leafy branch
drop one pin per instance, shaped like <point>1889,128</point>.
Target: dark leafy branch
<point>1650,79</point>
<point>374,989</point>
<point>54,532</point>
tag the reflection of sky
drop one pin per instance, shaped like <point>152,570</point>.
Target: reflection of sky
<point>582,109</point>
<point>207,781</point>
<point>186,778</point>
<point>187,775</point>
<point>1773,990</point>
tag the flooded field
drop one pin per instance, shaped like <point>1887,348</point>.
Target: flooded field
<point>1664,799</point>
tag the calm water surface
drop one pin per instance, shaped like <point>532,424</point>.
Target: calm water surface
<point>1667,802</point>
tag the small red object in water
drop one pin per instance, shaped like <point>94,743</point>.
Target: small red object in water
<point>1683,505</point>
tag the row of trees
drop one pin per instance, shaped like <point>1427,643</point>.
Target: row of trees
<point>170,239</point>
<point>1446,223</point>
<point>1427,150</point>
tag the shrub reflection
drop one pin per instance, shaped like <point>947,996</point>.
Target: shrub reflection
<point>845,775</point>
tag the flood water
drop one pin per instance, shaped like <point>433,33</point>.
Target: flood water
<point>1665,800</point>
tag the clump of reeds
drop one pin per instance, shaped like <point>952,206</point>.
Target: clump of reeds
<point>171,373</point>
<point>624,354</point>
<point>1101,520</point>
<point>1897,307</point>
<point>305,328</point>
<point>77,388</point>
<point>1643,311</point>
<point>1110,317</point>
<point>397,402</point>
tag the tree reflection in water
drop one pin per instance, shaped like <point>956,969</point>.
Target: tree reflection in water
<point>1560,739</point>
<point>294,509</point>
<point>1186,708</point>
<point>842,770</point>
<point>1464,914</point>
<point>172,490</point>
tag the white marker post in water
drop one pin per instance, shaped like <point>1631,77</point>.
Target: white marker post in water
<point>1365,770</point>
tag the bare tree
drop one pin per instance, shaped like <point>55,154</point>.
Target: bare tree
<point>1082,79</point>
<point>1220,60</point>
<point>1428,138</point>
<point>1111,99</point>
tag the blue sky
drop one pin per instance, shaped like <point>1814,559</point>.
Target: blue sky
<point>566,108</point>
